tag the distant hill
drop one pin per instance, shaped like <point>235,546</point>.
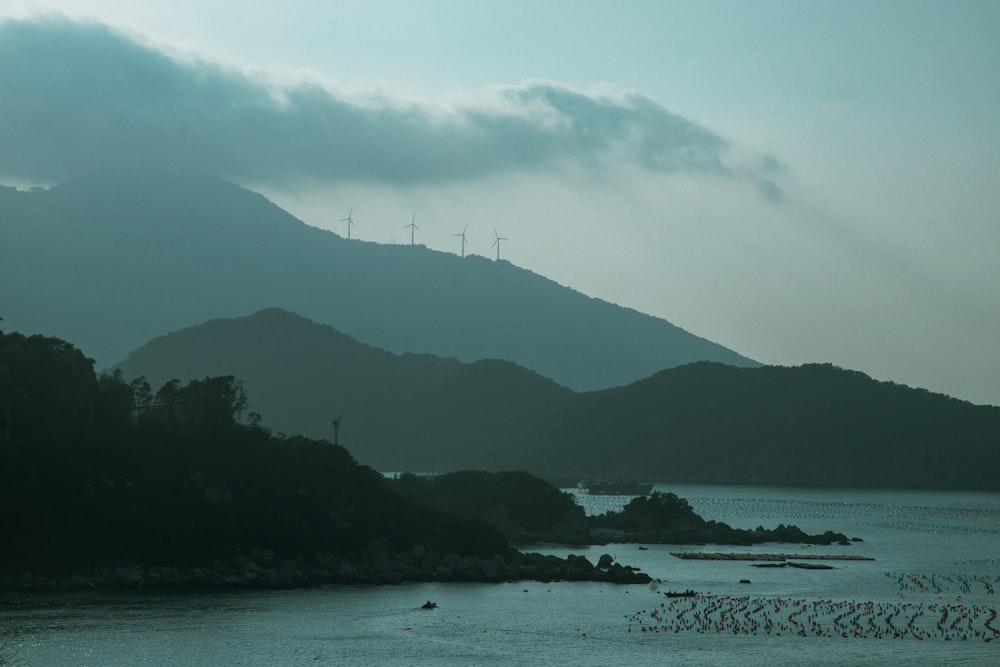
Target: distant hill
<point>115,258</point>
<point>814,425</point>
<point>810,425</point>
<point>407,411</point>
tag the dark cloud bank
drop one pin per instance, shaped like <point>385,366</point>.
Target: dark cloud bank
<point>78,97</point>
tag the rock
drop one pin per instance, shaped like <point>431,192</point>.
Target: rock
<point>269,578</point>
<point>249,571</point>
<point>578,567</point>
<point>490,568</point>
<point>347,572</point>
<point>605,561</point>
<point>468,564</point>
<point>430,561</point>
<point>128,575</point>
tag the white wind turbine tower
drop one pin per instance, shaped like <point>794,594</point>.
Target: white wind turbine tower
<point>463,239</point>
<point>413,227</point>
<point>350,223</point>
<point>497,241</point>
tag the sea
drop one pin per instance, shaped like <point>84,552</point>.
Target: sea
<point>927,597</point>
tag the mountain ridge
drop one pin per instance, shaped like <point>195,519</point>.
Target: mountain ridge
<point>301,374</point>
<point>705,422</point>
<point>115,258</point>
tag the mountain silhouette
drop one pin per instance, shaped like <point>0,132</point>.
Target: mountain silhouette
<point>405,410</point>
<point>112,259</point>
<point>814,425</point>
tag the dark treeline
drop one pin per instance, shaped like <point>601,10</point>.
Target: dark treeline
<point>96,470</point>
<point>522,507</point>
<point>525,508</point>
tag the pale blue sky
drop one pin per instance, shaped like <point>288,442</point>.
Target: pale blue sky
<point>800,181</point>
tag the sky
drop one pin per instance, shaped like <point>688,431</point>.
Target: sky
<point>799,181</point>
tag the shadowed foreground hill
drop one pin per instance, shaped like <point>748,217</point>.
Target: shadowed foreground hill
<point>812,425</point>
<point>104,483</point>
<point>115,258</point>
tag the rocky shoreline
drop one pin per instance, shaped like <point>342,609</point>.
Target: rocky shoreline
<point>261,570</point>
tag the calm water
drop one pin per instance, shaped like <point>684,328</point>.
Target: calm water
<point>937,559</point>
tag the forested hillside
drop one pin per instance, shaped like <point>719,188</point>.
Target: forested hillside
<point>97,470</point>
<point>815,425</point>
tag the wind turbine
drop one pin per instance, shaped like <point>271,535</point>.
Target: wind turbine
<point>336,429</point>
<point>350,223</point>
<point>413,227</point>
<point>497,241</point>
<point>463,239</point>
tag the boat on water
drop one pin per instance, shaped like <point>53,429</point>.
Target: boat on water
<point>605,487</point>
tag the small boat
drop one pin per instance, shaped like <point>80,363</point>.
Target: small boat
<point>429,605</point>
<point>603,487</point>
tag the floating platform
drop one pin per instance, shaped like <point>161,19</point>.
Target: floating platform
<point>702,555</point>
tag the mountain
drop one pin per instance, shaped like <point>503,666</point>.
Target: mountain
<point>812,425</point>
<point>115,258</point>
<point>102,487</point>
<point>405,411</point>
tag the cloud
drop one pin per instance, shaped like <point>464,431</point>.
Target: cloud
<point>76,97</point>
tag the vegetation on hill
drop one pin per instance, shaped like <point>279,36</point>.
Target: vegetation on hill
<point>522,507</point>
<point>108,483</point>
<point>527,509</point>
<point>109,478</point>
<point>400,412</point>
<point>668,519</point>
<point>97,470</point>
<point>814,425</point>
